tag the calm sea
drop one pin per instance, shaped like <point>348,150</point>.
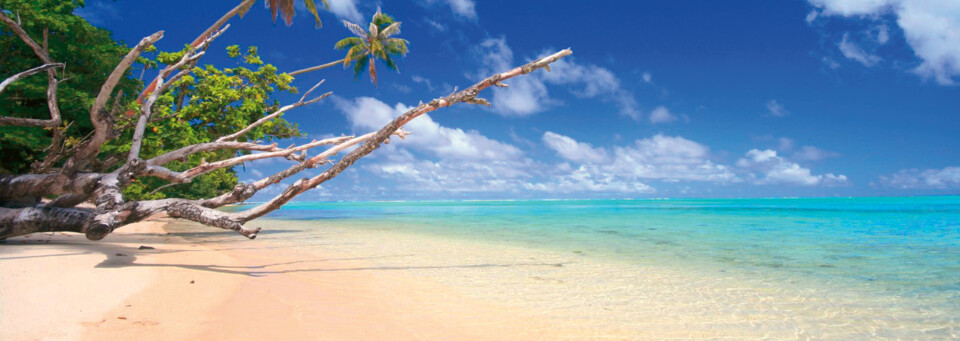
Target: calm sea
<point>874,251</point>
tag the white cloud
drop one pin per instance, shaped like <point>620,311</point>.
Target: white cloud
<point>883,34</point>
<point>463,8</point>
<point>811,153</point>
<point>931,27</point>
<point>662,115</point>
<point>852,51</point>
<point>946,178</point>
<point>448,176</point>
<point>590,179</point>
<point>425,81</point>
<point>668,158</point>
<point>343,9</point>
<point>665,158</point>
<point>785,144</point>
<point>448,143</point>
<point>776,109</point>
<point>812,16</point>
<point>647,78</point>
<point>528,95</point>
<point>775,169</point>
<point>572,150</point>
<point>346,9</point>
<point>830,63</point>
<point>437,26</point>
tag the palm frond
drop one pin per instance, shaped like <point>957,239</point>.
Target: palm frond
<point>356,29</point>
<point>396,46</point>
<point>376,46</point>
<point>374,31</point>
<point>381,19</point>
<point>393,29</point>
<point>312,8</point>
<point>347,42</point>
<point>360,67</point>
<point>390,64</point>
<point>285,9</point>
<point>355,52</point>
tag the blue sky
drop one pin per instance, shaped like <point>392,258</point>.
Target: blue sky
<point>660,99</point>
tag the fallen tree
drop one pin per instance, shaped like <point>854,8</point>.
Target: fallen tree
<point>79,177</point>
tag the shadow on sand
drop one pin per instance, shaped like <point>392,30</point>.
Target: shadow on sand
<point>119,253</point>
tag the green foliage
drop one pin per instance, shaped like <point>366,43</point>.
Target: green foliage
<point>208,103</point>
<point>90,55</point>
<point>202,106</point>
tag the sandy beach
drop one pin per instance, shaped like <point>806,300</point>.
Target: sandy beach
<point>308,279</point>
<point>59,286</point>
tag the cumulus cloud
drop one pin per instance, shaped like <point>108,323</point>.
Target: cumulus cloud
<point>572,150</point>
<point>528,95</point>
<point>445,175</point>
<point>946,178</point>
<point>588,178</point>
<point>662,115</point>
<point>931,28</point>
<point>370,114</point>
<point>666,158</point>
<point>774,169</point>
<point>776,109</point>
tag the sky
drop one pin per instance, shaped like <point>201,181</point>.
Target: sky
<point>660,99</point>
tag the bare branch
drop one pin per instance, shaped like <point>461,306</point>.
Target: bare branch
<point>37,49</point>
<point>102,123</point>
<point>467,95</point>
<point>28,73</point>
<point>186,176</point>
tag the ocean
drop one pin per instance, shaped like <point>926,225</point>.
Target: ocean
<point>837,268</point>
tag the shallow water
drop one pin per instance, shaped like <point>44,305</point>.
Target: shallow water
<point>738,268</point>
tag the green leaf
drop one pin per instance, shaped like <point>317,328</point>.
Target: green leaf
<point>312,8</point>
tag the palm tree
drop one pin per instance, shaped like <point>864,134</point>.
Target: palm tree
<point>284,7</point>
<point>376,43</point>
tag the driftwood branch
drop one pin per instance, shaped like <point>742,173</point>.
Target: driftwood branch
<point>22,212</point>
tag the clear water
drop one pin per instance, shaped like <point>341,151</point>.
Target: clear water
<point>889,256</point>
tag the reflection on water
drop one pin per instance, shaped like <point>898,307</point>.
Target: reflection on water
<point>783,268</point>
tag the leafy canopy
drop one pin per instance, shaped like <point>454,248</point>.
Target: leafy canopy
<point>202,106</point>
<point>90,55</point>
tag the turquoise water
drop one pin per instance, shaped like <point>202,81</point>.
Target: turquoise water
<point>908,244</point>
<point>882,251</point>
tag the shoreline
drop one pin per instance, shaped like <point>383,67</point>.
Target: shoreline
<point>304,280</point>
<point>230,289</point>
